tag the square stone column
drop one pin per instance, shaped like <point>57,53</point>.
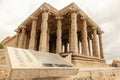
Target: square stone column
<point>44,28</point>
<point>85,50</point>
<point>32,42</point>
<point>59,35</point>
<point>95,43</point>
<point>73,33</point>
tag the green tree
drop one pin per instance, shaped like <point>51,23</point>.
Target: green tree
<point>1,46</point>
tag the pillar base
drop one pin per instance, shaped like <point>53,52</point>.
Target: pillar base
<point>88,61</point>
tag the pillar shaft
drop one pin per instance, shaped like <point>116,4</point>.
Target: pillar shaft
<point>48,39</point>
<point>17,37</point>
<point>59,36</point>
<point>101,45</point>
<point>21,39</point>
<point>95,43</point>
<point>69,38</point>
<point>85,50</point>
<point>25,41</point>
<point>44,28</point>
<point>32,42</point>
<point>73,35</point>
<point>89,47</point>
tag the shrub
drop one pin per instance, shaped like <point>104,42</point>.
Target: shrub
<point>1,46</point>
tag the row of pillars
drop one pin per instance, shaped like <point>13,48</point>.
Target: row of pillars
<point>73,39</point>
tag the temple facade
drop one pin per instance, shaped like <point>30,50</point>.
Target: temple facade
<point>68,32</point>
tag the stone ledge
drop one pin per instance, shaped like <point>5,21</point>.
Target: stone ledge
<point>87,58</point>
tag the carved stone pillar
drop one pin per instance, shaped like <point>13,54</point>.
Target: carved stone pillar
<point>21,39</point>
<point>85,50</point>
<point>95,43</point>
<point>17,37</point>
<point>101,44</point>
<point>73,35</point>
<point>48,39</point>
<point>25,41</point>
<point>89,47</point>
<point>32,42</point>
<point>59,35</point>
<point>44,28</point>
<point>69,38</point>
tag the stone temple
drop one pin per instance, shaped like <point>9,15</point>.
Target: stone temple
<point>68,32</point>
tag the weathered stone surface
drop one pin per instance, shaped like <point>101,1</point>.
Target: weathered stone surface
<point>116,63</point>
<point>2,57</point>
<point>32,64</point>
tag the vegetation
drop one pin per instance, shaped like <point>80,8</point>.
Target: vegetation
<point>1,46</point>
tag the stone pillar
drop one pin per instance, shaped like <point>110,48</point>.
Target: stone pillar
<point>17,37</point>
<point>21,39</point>
<point>101,44</point>
<point>65,45</point>
<point>69,38</point>
<point>89,47</point>
<point>79,43</point>
<point>95,43</point>
<point>48,39</point>
<point>85,50</point>
<point>59,35</point>
<point>25,41</point>
<point>73,35</point>
<point>44,28</point>
<point>32,42</point>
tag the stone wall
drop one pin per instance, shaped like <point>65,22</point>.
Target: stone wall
<point>2,57</point>
<point>11,43</point>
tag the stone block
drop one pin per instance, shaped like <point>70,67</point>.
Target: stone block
<point>27,64</point>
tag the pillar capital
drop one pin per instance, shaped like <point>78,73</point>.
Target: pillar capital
<point>73,8</point>
<point>58,17</point>
<point>100,31</point>
<point>33,17</point>
<point>45,9</point>
<point>84,18</point>
<point>17,31</point>
<point>22,27</point>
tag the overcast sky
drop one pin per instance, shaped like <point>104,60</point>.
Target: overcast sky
<point>106,13</point>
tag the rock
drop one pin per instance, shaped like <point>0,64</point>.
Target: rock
<point>116,63</point>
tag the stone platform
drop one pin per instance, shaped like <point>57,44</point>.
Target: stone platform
<point>88,61</point>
